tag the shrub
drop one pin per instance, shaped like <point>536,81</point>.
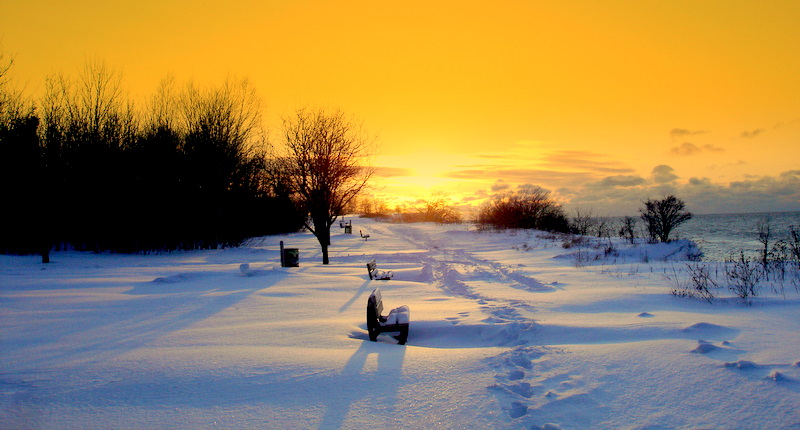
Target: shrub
<point>582,222</point>
<point>742,276</point>
<point>528,207</point>
<point>628,229</point>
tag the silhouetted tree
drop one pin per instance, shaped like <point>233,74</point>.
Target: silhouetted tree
<point>89,172</point>
<point>187,173</point>
<point>325,154</point>
<point>582,222</point>
<point>662,216</point>
<point>21,183</point>
<point>87,124</point>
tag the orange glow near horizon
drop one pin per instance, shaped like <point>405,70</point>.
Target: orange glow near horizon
<point>604,103</point>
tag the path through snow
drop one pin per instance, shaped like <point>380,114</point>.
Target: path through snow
<point>505,333</point>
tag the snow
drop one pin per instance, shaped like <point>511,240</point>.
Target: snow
<point>509,330</point>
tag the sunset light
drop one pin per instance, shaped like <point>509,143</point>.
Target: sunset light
<point>603,103</point>
<point>417,214</point>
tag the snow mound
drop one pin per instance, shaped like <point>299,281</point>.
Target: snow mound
<point>244,268</point>
<point>777,377</point>
<point>742,364</point>
<point>591,251</point>
<point>174,279</point>
<point>709,330</point>
<point>704,348</point>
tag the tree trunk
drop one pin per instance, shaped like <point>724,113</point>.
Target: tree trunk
<point>45,251</point>
<point>323,233</point>
<point>325,241</point>
<point>324,253</point>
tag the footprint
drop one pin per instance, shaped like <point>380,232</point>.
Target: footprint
<point>523,389</point>
<point>521,361</point>
<point>742,364</point>
<point>517,409</point>
<point>515,375</point>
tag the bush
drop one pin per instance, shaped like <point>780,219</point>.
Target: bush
<point>582,222</point>
<point>529,207</point>
<point>742,276</point>
<point>628,229</point>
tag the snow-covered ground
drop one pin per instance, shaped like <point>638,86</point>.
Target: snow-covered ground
<point>508,330</point>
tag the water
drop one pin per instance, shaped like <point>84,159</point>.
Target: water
<point>720,236</point>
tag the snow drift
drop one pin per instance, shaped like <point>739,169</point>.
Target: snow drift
<point>503,335</point>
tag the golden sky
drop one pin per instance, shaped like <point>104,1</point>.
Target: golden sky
<point>605,103</point>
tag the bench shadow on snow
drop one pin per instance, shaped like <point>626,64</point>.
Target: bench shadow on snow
<point>387,376</point>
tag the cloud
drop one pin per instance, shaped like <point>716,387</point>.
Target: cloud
<point>531,188</point>
<point>702,195</point>
<point>685,149</point>
<point>689,148</point>
<point>584,160</point>
<point>619,181</point>
<point>680,133</point>
<point>523,176</point>
<point>699,182</point>
<point>390,172</point>
<point>617,195</point>
<point>499,185</point>
<point>468,173</point>
<point>663,174</point>
<point>752,134</point>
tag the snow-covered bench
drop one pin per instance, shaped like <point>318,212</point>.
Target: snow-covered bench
<point>374,273</point>
<point>397,320</point>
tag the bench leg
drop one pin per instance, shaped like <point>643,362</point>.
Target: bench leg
<point>403,336</point>
<point>373,333</point>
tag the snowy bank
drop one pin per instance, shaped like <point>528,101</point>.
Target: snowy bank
<point>506,331</point>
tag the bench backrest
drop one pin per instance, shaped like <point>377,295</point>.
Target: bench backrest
<point>374,305</point>
<point>371,268</point>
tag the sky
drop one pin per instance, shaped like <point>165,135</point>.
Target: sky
<point>604,103</point>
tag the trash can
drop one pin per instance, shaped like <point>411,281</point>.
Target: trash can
<point>348,229</point>
<point>291,257</point>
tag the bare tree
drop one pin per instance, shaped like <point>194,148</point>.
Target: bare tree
<point>582,221</point>
<point>438,208</point>
<point>764,227</point>
<point>325,158</point>
<point>627,230</point>
<point>662,216</point>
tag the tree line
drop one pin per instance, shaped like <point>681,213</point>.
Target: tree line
<point>83,169</point>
